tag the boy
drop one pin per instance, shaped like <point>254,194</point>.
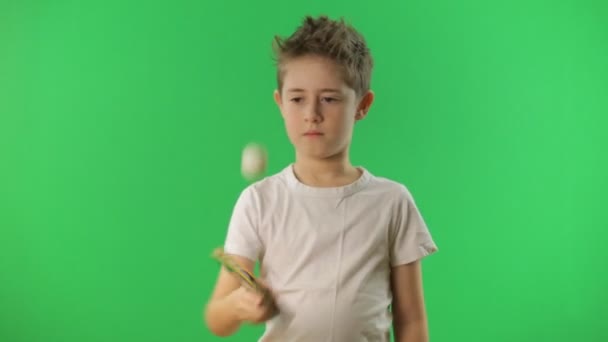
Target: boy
<point>337,245</point>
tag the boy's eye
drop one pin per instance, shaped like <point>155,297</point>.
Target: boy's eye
<point>329,99</point>
<point>296,99</point>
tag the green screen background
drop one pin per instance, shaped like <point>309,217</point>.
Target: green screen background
<point>122,124</point>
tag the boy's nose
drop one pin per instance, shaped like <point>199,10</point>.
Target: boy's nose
<point>313,113</point>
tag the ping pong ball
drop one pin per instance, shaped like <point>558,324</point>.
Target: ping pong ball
<point>253,161</point>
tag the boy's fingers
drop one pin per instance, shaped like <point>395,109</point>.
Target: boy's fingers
<point>253,298</point>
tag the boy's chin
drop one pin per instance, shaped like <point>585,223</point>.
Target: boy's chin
<point>317,153</point>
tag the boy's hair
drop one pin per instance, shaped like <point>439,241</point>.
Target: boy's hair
<point>333,39</point>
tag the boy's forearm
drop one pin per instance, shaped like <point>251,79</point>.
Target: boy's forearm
<point>411,331</point>
<point>220,318</point>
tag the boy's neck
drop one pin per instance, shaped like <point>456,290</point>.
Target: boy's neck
<point>325,172</point>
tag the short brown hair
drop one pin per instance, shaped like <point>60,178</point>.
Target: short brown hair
<point>334,39</point>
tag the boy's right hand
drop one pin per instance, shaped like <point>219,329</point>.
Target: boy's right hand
<point>251,306</point>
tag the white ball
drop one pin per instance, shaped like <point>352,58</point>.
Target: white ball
<point>253,161</point>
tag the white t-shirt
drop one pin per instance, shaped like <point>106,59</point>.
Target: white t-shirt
<point>327,252</point>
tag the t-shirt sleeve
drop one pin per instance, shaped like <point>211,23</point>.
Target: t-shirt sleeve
<point>242,238</point>
<point>410,238</point>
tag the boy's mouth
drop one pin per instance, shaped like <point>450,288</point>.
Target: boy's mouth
<point>312,133</point>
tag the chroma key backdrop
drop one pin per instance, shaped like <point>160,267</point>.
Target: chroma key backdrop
<point>122,125</point>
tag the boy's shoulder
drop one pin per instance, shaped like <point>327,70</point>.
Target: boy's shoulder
<point>270,183</point>
<point>390,189</point>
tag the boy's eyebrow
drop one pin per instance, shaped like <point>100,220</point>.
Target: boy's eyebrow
<point>324,90</point>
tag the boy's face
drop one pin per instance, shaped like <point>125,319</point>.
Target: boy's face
<point>318,108</point>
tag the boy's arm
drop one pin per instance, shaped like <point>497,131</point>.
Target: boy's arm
<point>220,314</point>
<point>409,313</point>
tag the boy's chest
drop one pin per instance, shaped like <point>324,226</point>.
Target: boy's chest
<point>324,242</point>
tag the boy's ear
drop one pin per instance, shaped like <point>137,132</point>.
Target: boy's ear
<point>277,98</point>
<point>364,104</point>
